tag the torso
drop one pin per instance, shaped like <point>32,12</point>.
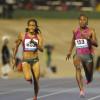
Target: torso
<point>29,50</point>
<point>82,44</point>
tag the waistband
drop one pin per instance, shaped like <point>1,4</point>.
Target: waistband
<point>31,59</point>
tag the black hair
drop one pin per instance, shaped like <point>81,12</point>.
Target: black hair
<point>37,30</point>
<point>83,16</point>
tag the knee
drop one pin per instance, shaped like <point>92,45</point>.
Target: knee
<point>76,62</point>
<point>78,67</point>
<point>36,77</point>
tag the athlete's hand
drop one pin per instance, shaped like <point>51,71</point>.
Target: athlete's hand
<point>40,48</point>
<point>68,56</point>
<point>35,43</point>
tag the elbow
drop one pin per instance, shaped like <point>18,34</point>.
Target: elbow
<point>41,49</point>
<point>96,45</point>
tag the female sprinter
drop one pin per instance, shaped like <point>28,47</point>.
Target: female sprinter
<point>84,38</point>
<point>32,43</point>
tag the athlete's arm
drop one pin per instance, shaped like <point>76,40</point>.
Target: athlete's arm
<point>17,43</point>
<point>72,44</point>
<point>40,45</point>
<point>93,38</point>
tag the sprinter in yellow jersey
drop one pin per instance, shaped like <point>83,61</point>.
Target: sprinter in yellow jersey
<point>32,43</point>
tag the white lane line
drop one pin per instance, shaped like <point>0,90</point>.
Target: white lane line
<point>51,89</point>
<point>30,89</point>
<point>55,93</point>
<point>96,97</point>
<point>15,90</point>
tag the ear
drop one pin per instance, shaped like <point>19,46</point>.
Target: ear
<point>27,29</point>
<point>87,22</point>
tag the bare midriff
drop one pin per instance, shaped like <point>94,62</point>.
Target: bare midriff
<point>30,55</point>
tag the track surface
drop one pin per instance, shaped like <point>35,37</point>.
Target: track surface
<point>50,89</point>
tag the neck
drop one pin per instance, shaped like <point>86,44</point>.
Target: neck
<point>82,28</point>
<point>32,33</point>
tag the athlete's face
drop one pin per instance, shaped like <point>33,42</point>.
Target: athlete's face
<point>83,21</point>
<point>31,26</point>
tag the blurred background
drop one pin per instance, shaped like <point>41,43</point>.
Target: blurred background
<point>56,20</point>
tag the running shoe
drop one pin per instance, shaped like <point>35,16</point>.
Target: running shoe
<point>87,82</point>
<point>30,81</point>
<point>82,93</point>
<point>34,98</point>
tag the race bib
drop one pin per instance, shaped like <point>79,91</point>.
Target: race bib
<point>30,45</point>
<point>81,43</point>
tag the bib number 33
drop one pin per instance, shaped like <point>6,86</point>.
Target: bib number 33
<point>81,43</point>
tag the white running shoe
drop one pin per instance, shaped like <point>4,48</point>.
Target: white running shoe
<point>82,93</point>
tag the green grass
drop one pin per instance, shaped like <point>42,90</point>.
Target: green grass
<point>53,14</point>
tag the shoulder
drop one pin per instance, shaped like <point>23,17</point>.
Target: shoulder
<point>92,30</point>
<point>39,35</point>
<point>21,35</point>
<point>75,30</point>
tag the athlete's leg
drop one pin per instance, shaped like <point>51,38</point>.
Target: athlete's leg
<point>98,63</point>
<point>36,76</point>
<point>88,68</point>
<point>79,78</point>
<point>26,71</point>
<point>90,71</point>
